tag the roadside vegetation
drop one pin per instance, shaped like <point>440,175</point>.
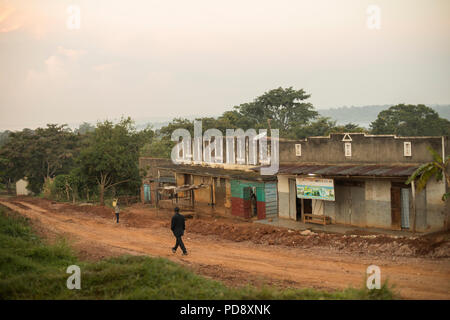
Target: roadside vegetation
<point>97,163</point>
<point>30,268</point>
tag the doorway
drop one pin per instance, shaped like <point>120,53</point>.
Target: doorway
<point>396,208</point>
<point>307,208</point>
<point>400,203</point>
<point>147,194</point>
<point>405,208</point>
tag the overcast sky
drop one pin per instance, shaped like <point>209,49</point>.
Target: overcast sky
<point>159,59</point>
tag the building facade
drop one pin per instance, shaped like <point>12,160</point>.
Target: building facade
<point>21,188</point>
<point>366,176</point>
<point>347,178</point>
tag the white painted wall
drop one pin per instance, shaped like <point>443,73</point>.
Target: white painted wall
<point>283,196</point>
<point>317,206</point>
<point>283,183</point>
<point>21,188</point>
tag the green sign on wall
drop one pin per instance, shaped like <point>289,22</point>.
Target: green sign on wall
<point>315,188</point>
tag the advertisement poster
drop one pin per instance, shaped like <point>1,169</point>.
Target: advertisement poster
<point>315,188</point>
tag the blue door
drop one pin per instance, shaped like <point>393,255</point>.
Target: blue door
<point>147,195</point>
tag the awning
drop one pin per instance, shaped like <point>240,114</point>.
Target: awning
<point>360,170</point>
<point>164,180</point>
<point>183,188</point>
<point>218,172</point>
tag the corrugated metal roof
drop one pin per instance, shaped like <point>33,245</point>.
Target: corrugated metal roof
<point>218,172</point>
<point>349,170</point>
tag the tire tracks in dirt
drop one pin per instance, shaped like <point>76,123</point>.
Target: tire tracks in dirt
<point>414,278</point>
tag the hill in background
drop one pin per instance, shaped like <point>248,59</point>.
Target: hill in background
<point>361,116</point>
<point>364,115</point>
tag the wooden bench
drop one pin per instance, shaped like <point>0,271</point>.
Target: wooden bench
<point>314,218</point>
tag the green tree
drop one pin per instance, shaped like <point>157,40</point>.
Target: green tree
<point>111,157</point>
<point>234,120</point>
<point>349,127</point>
<point>437,168</point>
<point>158,148</point>
<point>4,137</point>
<point>410,120</point>
<point>39,154</point>
<point>177,123</point>
<point>85,128</point>
<point>285,108</point>
<point>66,184</point>
<point>321,127</point>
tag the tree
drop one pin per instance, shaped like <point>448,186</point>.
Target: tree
<point>55,147</point>
<point>437,168</point>
<point>323,126</point>
<point>39,154</point>
<point>67,184</point>
<point>111,157</point>
<point>410,120</point>
<point>158,148</point>
<point>85,128</point>
<point>284,107</point>
<point>349,127</point>
<point>235,120</point>
<point>177,123</point>
<point>4,137</point>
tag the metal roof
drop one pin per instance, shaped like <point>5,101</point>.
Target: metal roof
<point>378,170</point>
<point>218,172</point>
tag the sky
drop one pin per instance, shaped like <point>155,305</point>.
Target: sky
<point>162,59</point>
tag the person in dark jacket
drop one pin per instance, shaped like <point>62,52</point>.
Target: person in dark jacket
<point>178,227</point>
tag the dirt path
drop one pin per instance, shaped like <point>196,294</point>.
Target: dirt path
<point>414,278</point>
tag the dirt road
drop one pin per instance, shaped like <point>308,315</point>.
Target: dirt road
<point>144,232</point>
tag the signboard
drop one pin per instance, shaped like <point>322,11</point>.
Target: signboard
<point>315,188</point>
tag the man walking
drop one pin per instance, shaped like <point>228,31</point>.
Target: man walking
<point>178,227</point>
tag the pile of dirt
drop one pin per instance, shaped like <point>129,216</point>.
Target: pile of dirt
<point>376,244</point>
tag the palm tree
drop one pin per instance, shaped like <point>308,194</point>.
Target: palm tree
<point>437,168</point>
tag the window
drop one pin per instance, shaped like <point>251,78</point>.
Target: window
<point>407,149</point>
<point>348,149</point>
<point>298,150</point>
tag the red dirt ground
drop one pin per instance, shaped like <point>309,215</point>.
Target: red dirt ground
<point>238,252</point>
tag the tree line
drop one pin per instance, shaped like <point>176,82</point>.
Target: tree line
<point>93,161</point>
<point>288,110</point>
<point>84,163</point>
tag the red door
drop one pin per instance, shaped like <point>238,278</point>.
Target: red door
<point>396,208</point>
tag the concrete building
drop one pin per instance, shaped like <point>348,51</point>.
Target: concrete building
<point>359,179</point>
<point>215,190</point>
<point>352,179</point>
<point>155,177</point>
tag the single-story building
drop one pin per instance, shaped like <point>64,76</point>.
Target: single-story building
<point>345,178</point>
<point>239,193</point>
<point>359,179</point>
<point>21,188</point>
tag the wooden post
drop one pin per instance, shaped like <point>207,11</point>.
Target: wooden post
<point>413,191</point>
<point>303,210</point>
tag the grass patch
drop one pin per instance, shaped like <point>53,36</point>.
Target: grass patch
<point>32,269</point>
